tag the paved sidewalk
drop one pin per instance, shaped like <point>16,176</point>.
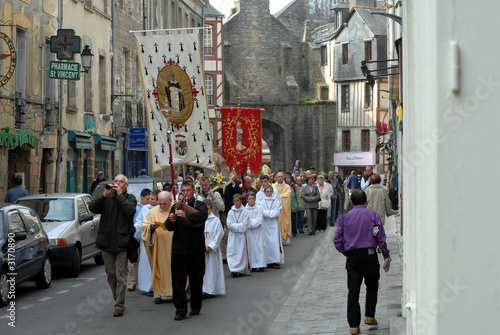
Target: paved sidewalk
<point>318,303</point>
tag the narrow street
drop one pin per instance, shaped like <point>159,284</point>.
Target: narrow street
<point>84,305</point>
<point>306,296</point>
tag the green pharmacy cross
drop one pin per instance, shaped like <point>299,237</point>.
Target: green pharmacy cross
<point>65,44</point>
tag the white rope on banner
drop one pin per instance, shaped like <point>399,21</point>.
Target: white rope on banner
<point>170,30</point>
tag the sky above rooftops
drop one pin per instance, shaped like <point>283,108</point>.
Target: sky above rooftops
<point>224,6</point>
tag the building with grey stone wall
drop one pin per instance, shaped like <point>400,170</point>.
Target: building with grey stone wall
<point>269,67</point>
<point>263,60</point>
<point>303,131</point>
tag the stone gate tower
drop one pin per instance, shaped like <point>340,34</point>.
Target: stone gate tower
<point>262,57</point>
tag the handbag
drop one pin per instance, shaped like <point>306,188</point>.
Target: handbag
<point>133,250</point>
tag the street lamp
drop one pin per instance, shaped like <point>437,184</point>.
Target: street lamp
<point>87,57</point>
<point>218,112</point>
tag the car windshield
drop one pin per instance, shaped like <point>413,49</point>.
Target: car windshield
<point>136,189</point>
<point>51,210</point>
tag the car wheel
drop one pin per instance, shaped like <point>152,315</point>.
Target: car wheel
<point>75,267</point>
<point>4,288</point>
<point>44,278</point>
<point>99,259</point>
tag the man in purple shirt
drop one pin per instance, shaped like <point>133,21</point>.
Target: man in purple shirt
<point>358,235</point>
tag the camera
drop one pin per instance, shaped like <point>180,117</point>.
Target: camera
<point>108,187</point>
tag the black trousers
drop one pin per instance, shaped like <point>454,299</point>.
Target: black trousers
<point>321,220</point>
<point>294,223</point>
<point>360,265</point>
<point>393,196</point>
<point>192,265</point>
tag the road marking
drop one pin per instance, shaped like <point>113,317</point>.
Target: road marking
<point>26,307</point>
<point>4,316</point>
<point>62,292</point>
<point>77,285</point>
<point>45,299</point>
<point>87,279</point>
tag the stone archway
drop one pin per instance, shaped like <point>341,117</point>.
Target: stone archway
<point>274,135</point>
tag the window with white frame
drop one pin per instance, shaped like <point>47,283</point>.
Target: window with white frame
<point>207,40</point>
<point>338,19</point>
<point>209,89</point>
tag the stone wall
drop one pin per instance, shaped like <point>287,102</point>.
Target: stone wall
<point>39,21</point>
<point>316,11</point>
<point>260,54</point>
<point>303,131</point>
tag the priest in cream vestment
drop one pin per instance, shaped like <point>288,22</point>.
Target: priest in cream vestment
<point>158,243</point>
<point>286,210</point>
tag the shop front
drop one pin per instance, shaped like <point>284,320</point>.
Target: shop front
<point>135,152</point>
<point>19,159</point>
<point>76,157</point>
<point>345,162</point>
<point>104,147</point>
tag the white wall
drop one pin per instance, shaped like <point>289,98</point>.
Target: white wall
<point>450,158</point>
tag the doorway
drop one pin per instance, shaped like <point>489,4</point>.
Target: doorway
<point>18,163</point>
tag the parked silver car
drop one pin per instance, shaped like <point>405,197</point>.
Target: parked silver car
<point>71,227</point>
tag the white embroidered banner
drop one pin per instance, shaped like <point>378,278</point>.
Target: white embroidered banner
<point>174,88</point>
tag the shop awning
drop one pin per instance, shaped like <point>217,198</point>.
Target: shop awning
<point>80,140</point>
<point>107,143</point>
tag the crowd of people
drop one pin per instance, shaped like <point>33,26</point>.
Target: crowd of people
<point>244,222</point>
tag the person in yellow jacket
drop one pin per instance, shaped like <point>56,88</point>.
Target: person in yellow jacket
<point>286,209</point>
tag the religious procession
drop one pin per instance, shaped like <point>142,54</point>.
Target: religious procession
<point>241,215</point>
<point>247,222</point>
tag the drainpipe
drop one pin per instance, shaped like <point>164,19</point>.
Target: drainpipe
<point>60,133</point>
<point>145,14</point>
<point>113,130</point>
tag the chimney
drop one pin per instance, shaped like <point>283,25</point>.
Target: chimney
<point>364,3</point>
<point>305,37</point>
<point>259,7</point>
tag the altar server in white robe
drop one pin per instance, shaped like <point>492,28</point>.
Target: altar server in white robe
<point>237,223</point>
<point>144,282</point>
<point>213,280</point>
<point>271,209</point>
<point>255,235</point>
<point>266,180</point>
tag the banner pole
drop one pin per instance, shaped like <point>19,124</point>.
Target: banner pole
<point>171,164</point>
<point>171,157</point>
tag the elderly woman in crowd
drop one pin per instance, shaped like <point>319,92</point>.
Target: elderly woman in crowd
<point>326,193</point>
<point>377,198</point>
<point>310,199</point>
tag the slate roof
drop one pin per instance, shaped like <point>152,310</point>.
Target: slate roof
<point>376,23</point>
<point>210,11</point>
<point>285,9</point>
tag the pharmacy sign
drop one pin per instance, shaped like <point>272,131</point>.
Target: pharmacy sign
<point>64,70</point>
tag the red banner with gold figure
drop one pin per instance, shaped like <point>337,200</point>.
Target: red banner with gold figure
<point>242,138</point>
